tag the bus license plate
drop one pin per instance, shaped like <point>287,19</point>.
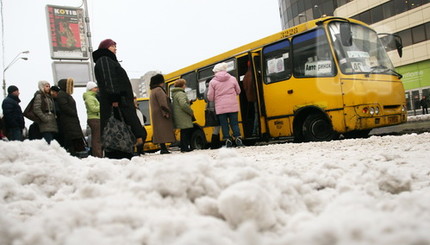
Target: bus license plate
<point>393,119</point>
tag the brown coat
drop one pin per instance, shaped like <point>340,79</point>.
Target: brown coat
<point>161,115</point>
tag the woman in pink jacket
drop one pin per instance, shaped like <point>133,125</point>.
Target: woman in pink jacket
<point>223,90</point>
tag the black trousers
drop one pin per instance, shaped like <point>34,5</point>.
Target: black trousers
<point>186,139</point>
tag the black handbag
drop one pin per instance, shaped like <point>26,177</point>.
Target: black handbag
<point>117,135</point>
<point>29,113</point>
<point>211,119</point>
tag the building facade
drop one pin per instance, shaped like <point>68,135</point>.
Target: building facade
<point>410,19</point>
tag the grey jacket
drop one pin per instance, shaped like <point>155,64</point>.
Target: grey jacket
<point>44,108</point>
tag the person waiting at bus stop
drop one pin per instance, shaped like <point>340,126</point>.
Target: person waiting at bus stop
<point>182,114</point>
<point>116,94</point>
<point>424,104</point>
<point>161,114</point>
<point>223,90</point>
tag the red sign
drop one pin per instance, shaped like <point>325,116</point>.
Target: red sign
<point>67,32</point>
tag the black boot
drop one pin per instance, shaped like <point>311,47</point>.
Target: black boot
<point>164,149</point>
<point>215,142</point>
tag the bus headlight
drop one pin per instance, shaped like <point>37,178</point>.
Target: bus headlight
<point>372,111</point>
<point>377,110</point>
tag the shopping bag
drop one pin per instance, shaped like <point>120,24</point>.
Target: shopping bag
<point>211,119</point>
<point>117,135</point>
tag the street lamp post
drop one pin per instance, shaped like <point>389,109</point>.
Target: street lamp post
<point>17,57</point>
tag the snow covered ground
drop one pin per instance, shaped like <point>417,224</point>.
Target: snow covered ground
<point>367,191</point>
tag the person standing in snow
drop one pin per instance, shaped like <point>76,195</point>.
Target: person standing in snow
<point>115,92</point>
<point>182,114</point>
<point>210,106</point>
<point>223,90</point>
<point>424,105</point>
<point>44,108</point>
<point>69,119</point>
<point>12,114</point>
<point>161,114</point>
<point>92,105</point>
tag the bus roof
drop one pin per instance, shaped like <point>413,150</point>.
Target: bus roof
<point>255,45</point>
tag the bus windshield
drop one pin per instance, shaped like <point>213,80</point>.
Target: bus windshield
<point>365,55</point>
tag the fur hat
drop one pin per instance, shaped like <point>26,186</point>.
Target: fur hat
<point>41,85</point>
<point>91,85</point>
<point>106,43</point>
<point>11,89</point>
<point>156,80</point>
<point>220,67</point>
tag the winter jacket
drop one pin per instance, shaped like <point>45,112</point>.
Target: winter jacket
<point>12,113</point>
<point>92,104</point>
<point>223,90</point>
<point>68,114</point>
<point>182,112</point>
<point>161,115</point>
<point>114,86</point>
<point>424,103</point>
<point>44,108</point>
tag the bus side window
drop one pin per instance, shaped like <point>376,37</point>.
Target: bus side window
<point>276,60</point>
<point>192,85</point>
<point>202,75</point>
<point>312,55</point>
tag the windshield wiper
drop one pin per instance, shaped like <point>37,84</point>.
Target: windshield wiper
<point>385,69</point>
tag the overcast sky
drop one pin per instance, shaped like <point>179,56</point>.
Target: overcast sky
<point>162,35</point>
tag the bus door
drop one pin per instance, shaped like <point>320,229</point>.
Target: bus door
<point>274,93</point>
<point>248,96</point>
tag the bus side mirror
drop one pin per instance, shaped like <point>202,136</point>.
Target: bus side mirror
<point>399,45</point>
<point>345,34</point>
<point>391,42</point>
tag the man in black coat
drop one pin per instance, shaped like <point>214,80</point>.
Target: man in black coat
<point>12,114</point>
<point>115,92</point>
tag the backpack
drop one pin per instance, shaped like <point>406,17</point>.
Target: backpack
<point>29,113</point>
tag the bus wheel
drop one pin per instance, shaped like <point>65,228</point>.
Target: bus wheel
<point>198,140</point>
<point>317,127</point>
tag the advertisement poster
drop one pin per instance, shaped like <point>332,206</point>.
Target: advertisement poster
<point>67,32</point>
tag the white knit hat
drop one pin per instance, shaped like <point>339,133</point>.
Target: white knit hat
<point>220,67</point>
<point>91,85</point>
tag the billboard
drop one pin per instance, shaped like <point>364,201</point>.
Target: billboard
<point>79,71</point>
<point>67,34</point>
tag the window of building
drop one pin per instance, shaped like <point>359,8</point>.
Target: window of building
<point>294,10</point>
<point>388,9</point>
<point>366,17</point>
<point>301,6</point>
<point>401,6</point>
<point>406,36</point>
<point>414,3</point>
<point>377,14</point>
<point>418,34</point>
<point>277,61</point>
<point>427,28</point>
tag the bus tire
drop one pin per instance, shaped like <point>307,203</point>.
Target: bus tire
<point>198,140</point>
<point>317,127</point>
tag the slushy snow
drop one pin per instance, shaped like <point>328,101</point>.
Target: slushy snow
<point>358,191</point>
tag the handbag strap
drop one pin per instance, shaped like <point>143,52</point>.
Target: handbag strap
<point>119,112</point>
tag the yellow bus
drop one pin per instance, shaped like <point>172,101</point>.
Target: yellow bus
<point>313,82</point>
<point>143,104</point>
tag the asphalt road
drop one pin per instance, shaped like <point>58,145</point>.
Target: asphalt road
<point>406,128</point>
